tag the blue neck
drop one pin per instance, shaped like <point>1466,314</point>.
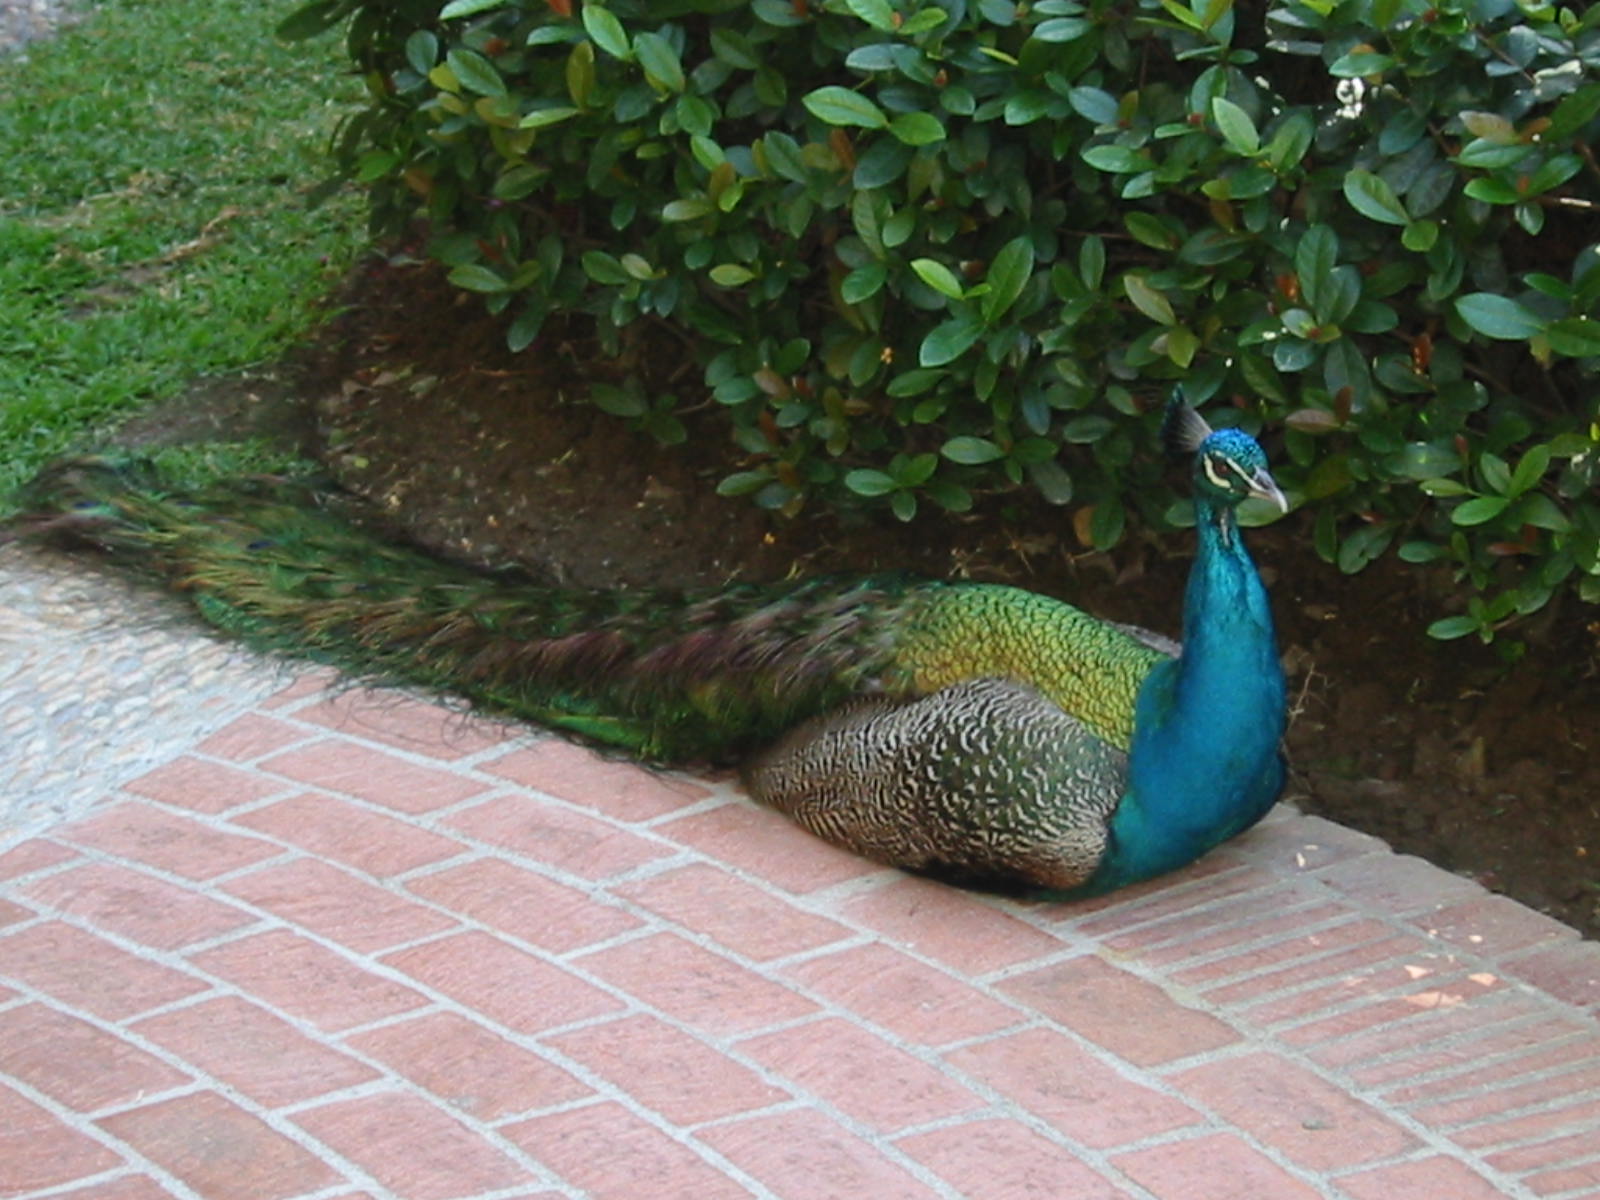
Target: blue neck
<point>1204,763</point>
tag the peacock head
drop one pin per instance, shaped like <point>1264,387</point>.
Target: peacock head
<point>1229,464</point>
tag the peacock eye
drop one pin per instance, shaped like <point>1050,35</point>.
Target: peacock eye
<point>1225,474</point>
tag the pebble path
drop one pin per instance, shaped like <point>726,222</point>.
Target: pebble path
<point>100,679</point>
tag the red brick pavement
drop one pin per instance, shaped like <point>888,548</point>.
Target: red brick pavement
<point>364,947</point>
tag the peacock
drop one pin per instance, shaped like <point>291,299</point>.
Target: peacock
<point>978,733</point>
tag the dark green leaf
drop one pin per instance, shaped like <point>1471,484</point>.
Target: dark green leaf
<point>1008,275</point>
<point>467,8</point>
<point>476,73</point>
<point>1373,198</point>
<point>948,341</point>
<point>867,482</point>
<point>917,128</point>
<point>1360,63</point>
<point>1314,259</point>
<point>835,105</point>
<point>939,277</point>
<point>1498,316</point>
<point>1479,509</point>
<point>1116,160</point>
<point>1575,337</point>
<point>1447,628</point>
<point>863,283</point>
<point>476,278</point>
<point>659,61</point>
<point>1237,129</point>
<point>877,13</point>
<point>540,117</point>
<point>883,162</point>
<point>733,48</point>
<point>1094,104</point>
<point>422,51</point>
<point>971,451</point>
<point>1062,29</point>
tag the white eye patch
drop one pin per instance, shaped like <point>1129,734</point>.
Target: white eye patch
<point>1218,469</point>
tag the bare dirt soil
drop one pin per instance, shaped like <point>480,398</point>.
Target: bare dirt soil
<point>410,399</point>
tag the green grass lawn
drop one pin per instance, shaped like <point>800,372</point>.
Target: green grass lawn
<point>154,163</point>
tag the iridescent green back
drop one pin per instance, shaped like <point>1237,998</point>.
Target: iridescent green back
<point>1093,670</point>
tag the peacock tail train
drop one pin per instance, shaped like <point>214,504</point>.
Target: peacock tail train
<point>671,677</point>
<point>978,732</point>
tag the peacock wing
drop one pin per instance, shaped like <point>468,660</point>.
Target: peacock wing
<point>986,783</point>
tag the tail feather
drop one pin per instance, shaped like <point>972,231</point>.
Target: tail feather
<point>668,676</point>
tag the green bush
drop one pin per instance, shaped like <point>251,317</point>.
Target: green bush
<point>931,250</point>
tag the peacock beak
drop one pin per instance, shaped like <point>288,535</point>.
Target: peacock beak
<point>1263,486</point>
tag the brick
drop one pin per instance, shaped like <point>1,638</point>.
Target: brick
<point>129,1187</point>
<point>413,1148</point>
<point>1310,1121</point>
<point>1276,928</point>
<point>406,723</point>
<point>1130,1017</point>
<point>339,765</point>
<point>76,1064</point>
<point>616,789</point>
<point>1422,981</point>
<point>324,900</point>
<point>1380,1012</point>
<point>666,1070</point>
<point>740,916</point>
<point>14,914</point>
<point>1582,1115</point>
<point>250,737</point>
<point>137,906</point>
<point>1545,1054</point>
<point>83,971</point>
<point>1553,1152</point>
<point>1474,1037</point>
<point>468,1068</point>
<point>252,1051</point>
<point>916,1002</point>
<point>1289,962</point>
<point>1200,883</point>
<point>1057,1081</point>
<point>1569,972</point>
<point>1399,884</point>
<point>35,854</point>
<point>204,787</point>
<point>694,985</point>
<point>959,929</point>
<point>802,1155</point>
<point>39,1152</point>
<point>605,1151</point>
<point>305,980</point>
<point>1494,926</point>
<point>1499,1101</point>
<point>1216,1167</point>
<point>548,833</point>
<point>524,905</point>
<point>861,1075</point>
<point>219,1150</point>
<point>1370,1052</point>
<point>329,827</point>
<point>1564,1179</point>
<point>505,984</point>
<point>1429,1177</point>
<point>767,846</point>
<point>1181,927</point>
<point>178,844</point>
<point>1005,1160</point>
